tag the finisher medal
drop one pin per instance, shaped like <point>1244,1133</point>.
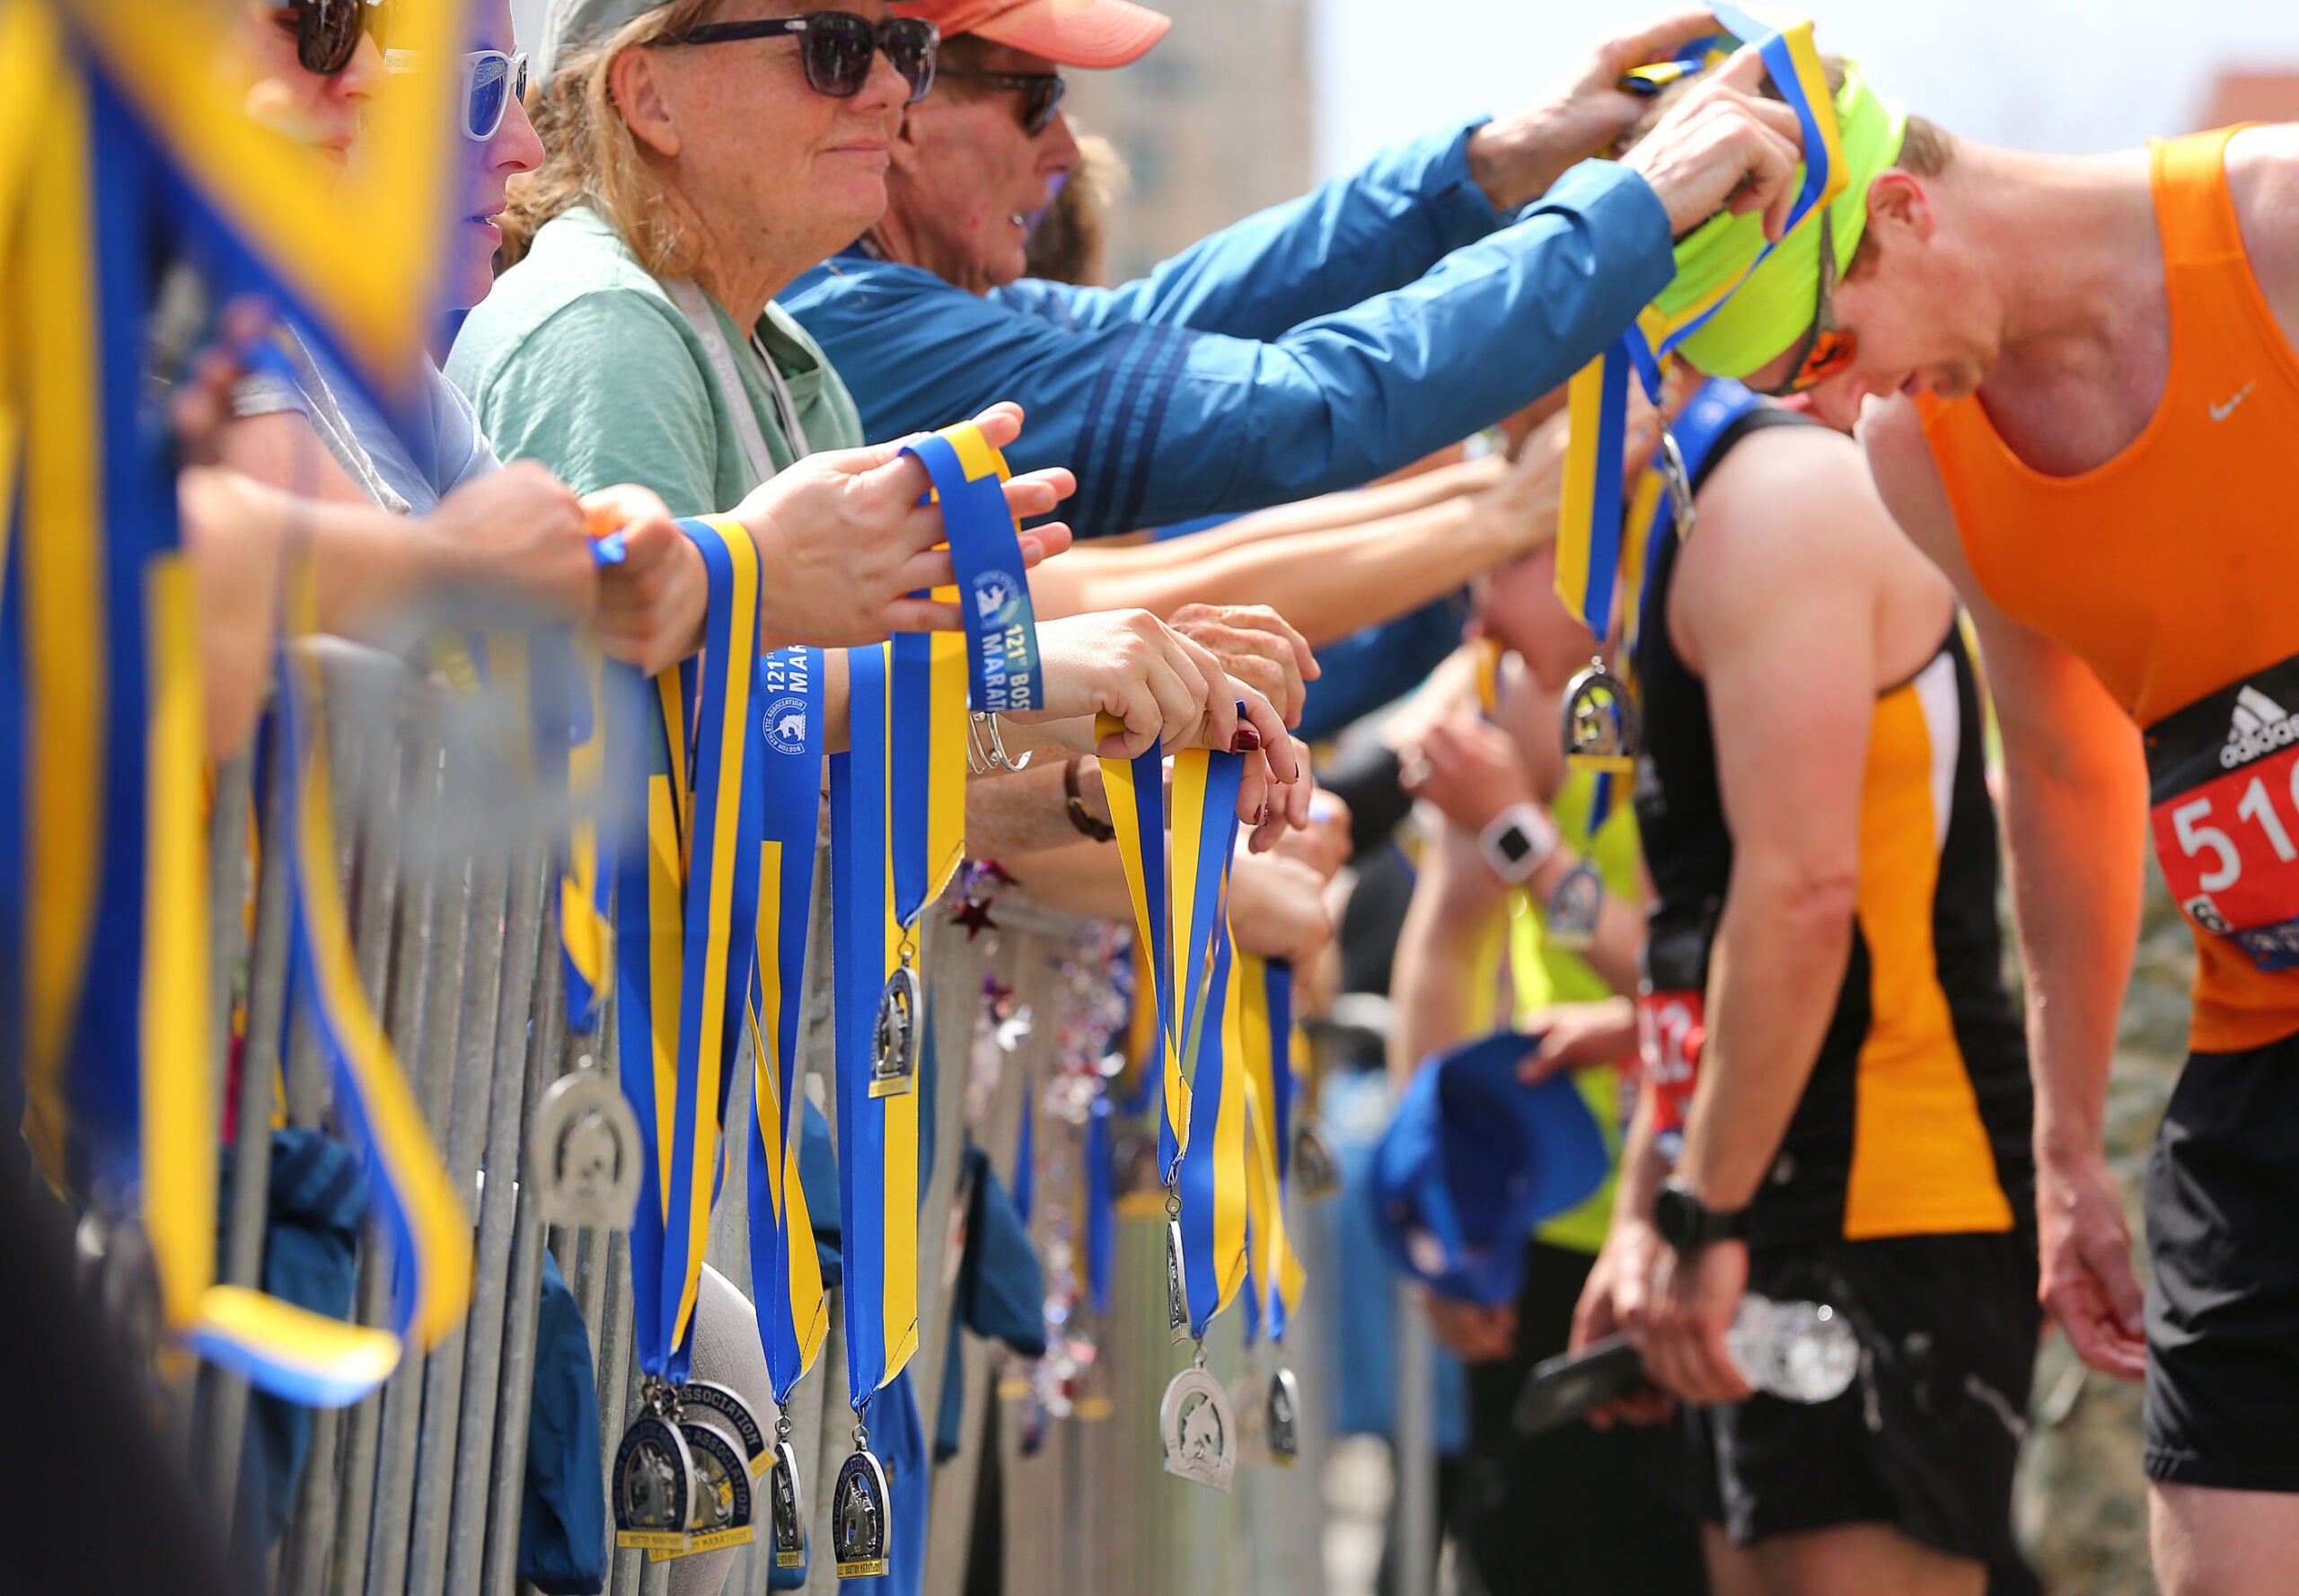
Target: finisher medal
<point>1284,1410</point>
<point>732,1413</point>
<point>895,1035</point>
<point>585,1144</point>
<point>1600,729</point>
<point>718,1513</point>
<point>786,1506</point>
<point>653,1485</point>
<point>1573,909</point>
<point>860,1523</point>
<point>1197,1428</point>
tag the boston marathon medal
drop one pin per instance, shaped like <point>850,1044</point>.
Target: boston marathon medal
<point>731,1412</point>
<point>653,1486</point>
<point>1573,909</point>
<point>895,1035</point>
<point>858,1518</point>
<point>1279,1425</point>
<point>785,1507</point>
<point>583,1144</point>
<point>1601,728</point>
<point>718,1513</point>
<point>1198,1430</point>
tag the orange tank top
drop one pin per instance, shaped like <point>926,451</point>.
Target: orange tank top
<point>2171,571</point>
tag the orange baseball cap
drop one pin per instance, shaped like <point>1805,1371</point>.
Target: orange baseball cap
<point>1087,33</point>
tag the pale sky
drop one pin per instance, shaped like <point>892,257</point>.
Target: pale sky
<point>2051,75</point>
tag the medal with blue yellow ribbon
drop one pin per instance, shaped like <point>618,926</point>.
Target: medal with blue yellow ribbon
<point>897,801</point>
<point>1600,731</point>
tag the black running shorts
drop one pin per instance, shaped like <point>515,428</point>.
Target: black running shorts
<point>1925,1438</point>
<point>2222,1302</point>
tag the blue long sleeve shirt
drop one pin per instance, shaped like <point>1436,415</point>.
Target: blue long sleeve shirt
<point>1310,348</point>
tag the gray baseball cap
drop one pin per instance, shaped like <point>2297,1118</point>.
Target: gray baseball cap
<point>570,23</point>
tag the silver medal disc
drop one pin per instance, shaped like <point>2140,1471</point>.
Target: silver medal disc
<point>653,1486</point>
<point>895,1035</point>
<point>1679,483</point>
<point>732,1413</point>
<point>859,1527</point>
<point>1176,1283</point>
<point>1279,1425</point>
<point>1573,909</point>
<point>1198,1430</point>
<point>720,1512</point>
<point>1600,730</point>
<point>785,1507</point>
<point>583,1153</point>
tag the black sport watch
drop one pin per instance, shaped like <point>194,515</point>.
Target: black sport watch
<point>1687,1224</point>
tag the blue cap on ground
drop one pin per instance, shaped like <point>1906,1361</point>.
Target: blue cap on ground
<point>1472,1160</point>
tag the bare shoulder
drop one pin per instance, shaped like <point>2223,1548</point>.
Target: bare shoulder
<point>1787,515</point>
<point>1907,481</point>
<point>2263,180</point>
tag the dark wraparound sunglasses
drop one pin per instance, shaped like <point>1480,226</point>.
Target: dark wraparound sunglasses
<point>1041,92</point>
<point>837,47</point>
<point>1825,348</point>
<point>327,32</point>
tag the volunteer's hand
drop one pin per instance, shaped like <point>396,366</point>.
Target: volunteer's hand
<point>1469,769</point>
<point>1471,1331</point>
<point>1579,1036</point>
<point>847,538</point>
<point>1614,1301</point>
<point>200,406</point>
<point>1257,645</point>
<point>1169,691</point>
<point>1322,843</point>
<point>1520,506</point>
<point>1694,1300</point>
<point>1724,146</point>
<point>651,602</point>
<point>519,533</point>
<point>1516,160</point>
<point>1277,909</point>
<point>2087,1285</point>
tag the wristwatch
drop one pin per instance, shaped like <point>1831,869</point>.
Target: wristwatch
<point>1516,841</point>
<point>1687,1224</point>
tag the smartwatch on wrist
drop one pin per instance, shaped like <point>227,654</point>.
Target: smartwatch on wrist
<point>1687,1224</point>
<point>1517,841</point>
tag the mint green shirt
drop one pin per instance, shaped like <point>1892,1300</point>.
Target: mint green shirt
<point>580,358</point>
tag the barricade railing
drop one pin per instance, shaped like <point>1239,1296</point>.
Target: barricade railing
<point>417,1490</point>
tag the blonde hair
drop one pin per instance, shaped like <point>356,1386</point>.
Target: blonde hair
<point>590,156</point>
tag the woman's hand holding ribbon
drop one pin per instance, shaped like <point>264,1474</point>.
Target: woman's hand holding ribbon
<point>847,537</point>
<point>519,533</point>
<point>1258,647</point>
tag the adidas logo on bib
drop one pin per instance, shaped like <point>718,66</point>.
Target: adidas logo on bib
<point>2259,727</point>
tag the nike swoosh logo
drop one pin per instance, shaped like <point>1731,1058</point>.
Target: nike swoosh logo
<point>2220,413</point>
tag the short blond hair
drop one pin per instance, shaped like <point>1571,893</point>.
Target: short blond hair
<point>590,155</point>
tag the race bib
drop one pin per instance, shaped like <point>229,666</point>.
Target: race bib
<point>1669,1036</point>
<point>2223,796</point>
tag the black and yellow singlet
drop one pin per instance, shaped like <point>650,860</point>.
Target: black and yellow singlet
<point>1916,1119</point>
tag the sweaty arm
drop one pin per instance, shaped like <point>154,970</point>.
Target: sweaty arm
<point>1164,423</point>
<point>1774,606</point>
<point>1441,982</point>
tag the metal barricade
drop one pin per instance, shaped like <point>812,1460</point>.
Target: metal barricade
<point>417,1489</point>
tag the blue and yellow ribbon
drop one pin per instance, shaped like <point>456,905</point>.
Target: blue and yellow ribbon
<point>1266,1052</point>
<point>1590,524</point>
<point>687,891</point>
<point>785,1271</point>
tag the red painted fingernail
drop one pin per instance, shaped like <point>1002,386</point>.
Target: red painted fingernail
<point>1247,740</point>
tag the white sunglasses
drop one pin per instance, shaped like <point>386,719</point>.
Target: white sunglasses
<point>491,80</point>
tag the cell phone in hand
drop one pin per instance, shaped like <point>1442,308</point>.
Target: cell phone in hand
<point>1564,1387</point>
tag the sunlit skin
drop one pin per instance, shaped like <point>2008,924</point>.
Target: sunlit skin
<point>966,175</point>
<point>513,149</point>
<point>322,112</point>
<point>770,176</point>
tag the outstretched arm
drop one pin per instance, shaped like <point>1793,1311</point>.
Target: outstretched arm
<point>2076,831</point>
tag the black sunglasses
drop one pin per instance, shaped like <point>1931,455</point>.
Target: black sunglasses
<point>1041,92</point>
<point>837,47</point>
<point>327,32</point>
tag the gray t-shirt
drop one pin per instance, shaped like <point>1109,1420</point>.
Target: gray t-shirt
<point>442,449</point>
